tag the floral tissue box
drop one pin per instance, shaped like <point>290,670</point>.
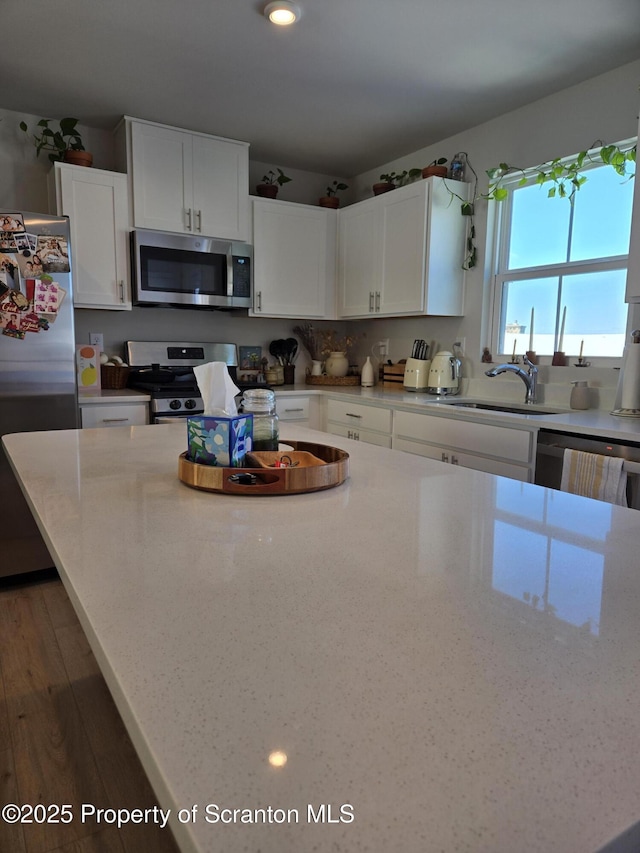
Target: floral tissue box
<point>218,440</point>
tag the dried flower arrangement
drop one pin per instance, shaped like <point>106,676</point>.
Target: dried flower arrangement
<point>309,340</point>
<point>332,342</point>
<point>319,343</point>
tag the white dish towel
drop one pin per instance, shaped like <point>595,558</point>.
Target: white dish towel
<point>595,476</point>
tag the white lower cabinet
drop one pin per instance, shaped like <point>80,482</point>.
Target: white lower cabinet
<point>371,424</point>
<point>113,414</point>
<point>507,451</point>
<point>295,408</point>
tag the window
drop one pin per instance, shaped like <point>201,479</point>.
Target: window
<point>565,265</point>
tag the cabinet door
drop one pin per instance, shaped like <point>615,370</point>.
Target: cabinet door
<point>114,415</point>
<point>465,460</point>
<point>360,435</point>
<point>294,260</point>
<point>403,241</point>
<point>359,253</point>
<point>96,203</point>
<point>220,188</point>
<point>162,178</point>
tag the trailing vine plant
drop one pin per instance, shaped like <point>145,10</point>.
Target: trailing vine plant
<point>565,177</point>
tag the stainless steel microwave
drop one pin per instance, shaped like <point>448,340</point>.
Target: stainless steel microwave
<point>183,269</point>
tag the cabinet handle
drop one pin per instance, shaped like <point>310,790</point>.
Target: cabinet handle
<point>114,420</point>
<point>259,301</point>
<point>188,213</point>
<point>356,436</point>
<point>121,286</point>
<point>295,410</point>
<point>454,460</point>
<point>377,300</point>
<point>445,457</point>
<point>351,415</point>
<point>371,301</point>
<point>349,433</point>
<point>199,221</point>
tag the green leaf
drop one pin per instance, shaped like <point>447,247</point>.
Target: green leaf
<point>500,194</point>
<point>552,192</point>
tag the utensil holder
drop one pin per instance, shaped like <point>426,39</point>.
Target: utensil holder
<point>289,371</point>
<point>559,359</point>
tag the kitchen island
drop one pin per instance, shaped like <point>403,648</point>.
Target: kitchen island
<point>424,658</point>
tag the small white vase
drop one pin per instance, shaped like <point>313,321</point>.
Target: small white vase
<point>366,377</point>
<point>337,364</point>
<point>316,368</point>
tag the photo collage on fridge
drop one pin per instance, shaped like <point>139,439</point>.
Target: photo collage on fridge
<point>30,298</point>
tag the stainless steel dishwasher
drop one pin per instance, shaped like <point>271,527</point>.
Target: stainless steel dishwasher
<point>550,453</point>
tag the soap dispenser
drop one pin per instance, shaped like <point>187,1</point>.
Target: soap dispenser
<point>579,395</point>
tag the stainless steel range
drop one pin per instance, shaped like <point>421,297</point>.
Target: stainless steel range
<point>165,370</point>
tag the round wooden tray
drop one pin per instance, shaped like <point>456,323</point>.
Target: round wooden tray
<point>270,481</point>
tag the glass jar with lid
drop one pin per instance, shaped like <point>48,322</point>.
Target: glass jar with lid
<point>261,402</point>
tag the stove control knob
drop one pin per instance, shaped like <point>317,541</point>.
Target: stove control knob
<point>190,404</point>
<point>174,404</point>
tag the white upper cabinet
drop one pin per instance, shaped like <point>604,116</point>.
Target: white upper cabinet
<point>97,205</point>
<point>401,253</point>
<point>359,254</point>
<point>633,272</point>
<point>294,260</point>
<point>188,182</point>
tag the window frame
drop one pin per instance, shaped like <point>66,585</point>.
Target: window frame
<point>499,212</point>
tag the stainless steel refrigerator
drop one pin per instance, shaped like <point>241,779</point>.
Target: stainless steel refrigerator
<point>37,362</point>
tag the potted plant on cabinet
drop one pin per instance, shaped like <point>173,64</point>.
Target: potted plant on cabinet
<point>390,180</point>
<point>271,183</point>
<point>437,168</point>
<point>330,199</point>
<point>64,144</point>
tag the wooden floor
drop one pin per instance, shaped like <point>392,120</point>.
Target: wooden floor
<point>61,738</point>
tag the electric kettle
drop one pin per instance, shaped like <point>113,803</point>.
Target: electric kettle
<point>444,374</point>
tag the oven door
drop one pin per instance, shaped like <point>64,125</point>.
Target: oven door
<point>170,419</point>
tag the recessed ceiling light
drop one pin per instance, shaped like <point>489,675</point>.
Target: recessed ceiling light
<point>282,12</point>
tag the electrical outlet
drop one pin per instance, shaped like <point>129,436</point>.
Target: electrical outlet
<point>96,339</point>
<point>383,348</point>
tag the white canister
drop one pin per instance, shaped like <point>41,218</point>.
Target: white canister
<point>580,395</point>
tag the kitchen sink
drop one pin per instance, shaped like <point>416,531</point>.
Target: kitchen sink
<point>505,407</point>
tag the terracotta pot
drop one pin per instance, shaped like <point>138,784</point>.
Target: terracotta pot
<point>329,201</point>
<point>383,187</point>
<point>78,158</point>
<point>437,171</point>
<point>267,190</point>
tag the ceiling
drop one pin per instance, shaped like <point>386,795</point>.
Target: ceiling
<point>353,85</point>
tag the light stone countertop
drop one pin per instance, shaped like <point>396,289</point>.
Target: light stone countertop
<point>107,396</point>
<point>598,422</point>
<point>454,654</point>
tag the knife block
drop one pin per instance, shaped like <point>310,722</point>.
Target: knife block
<point>393,375</point>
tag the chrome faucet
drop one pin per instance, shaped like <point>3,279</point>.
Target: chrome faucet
<point>530,377</point>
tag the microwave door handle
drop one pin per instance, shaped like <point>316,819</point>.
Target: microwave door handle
<point>230,272</point>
